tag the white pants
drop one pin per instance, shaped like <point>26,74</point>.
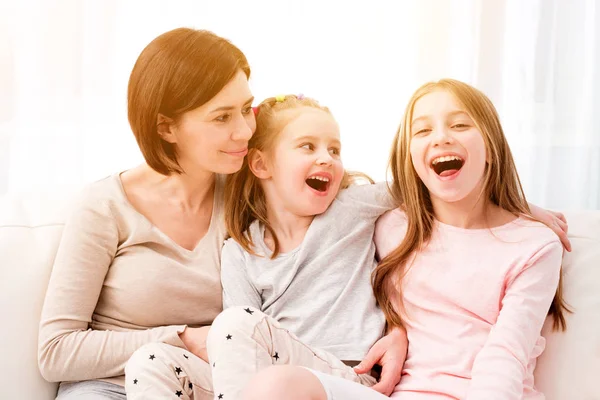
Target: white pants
<point>343,389</point>
<point>243,341</point>
<point>161,371</point>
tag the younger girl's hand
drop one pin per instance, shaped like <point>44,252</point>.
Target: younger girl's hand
<point>194,340</point>
<point>555,221</point>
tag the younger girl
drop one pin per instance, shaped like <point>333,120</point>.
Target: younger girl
<point>465,270</point>
<point>300,256</point>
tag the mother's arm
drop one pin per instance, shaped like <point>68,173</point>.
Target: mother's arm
<point>238,290</point>
<point>68,350</point>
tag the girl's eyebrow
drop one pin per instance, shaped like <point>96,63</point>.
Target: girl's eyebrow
<point>451,114</point>
<point>458,113</point>
<point>314,138</point>
<point>306,137</point>
<point>422,118</point>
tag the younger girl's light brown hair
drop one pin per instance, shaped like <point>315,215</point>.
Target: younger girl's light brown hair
<point>245,199</point>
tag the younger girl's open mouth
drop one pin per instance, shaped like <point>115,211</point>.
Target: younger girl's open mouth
<point>447,166</point>
<point>319,183</point>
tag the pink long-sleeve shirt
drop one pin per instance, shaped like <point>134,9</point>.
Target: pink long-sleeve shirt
<point>475,301</point>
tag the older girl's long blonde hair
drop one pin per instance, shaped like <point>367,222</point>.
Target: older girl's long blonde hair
<point>501,186</point>
<point>245,199</point>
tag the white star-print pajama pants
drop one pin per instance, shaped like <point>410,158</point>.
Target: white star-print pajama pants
<point>162,371</point>
<point>243,340</point>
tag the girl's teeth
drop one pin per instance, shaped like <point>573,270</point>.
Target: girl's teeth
<point>320,178</point>
<point>445,158</point>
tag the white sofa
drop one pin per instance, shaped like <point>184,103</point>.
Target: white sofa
<point>30,230</point>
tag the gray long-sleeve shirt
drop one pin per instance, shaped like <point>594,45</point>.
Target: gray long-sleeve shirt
<point>321,291</point>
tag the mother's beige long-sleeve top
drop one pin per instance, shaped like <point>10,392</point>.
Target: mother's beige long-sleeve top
<point>118,283</point>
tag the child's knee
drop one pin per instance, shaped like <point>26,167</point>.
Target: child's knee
<point>270,383</point>
<point>141,358</point>
<point>234,319</point>
<point>284,382</point>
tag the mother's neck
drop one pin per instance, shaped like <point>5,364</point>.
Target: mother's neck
<point>192,191</point>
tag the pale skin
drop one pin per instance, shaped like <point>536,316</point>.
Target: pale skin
<point>440,124</point>
<point>439,127</point>
<point>210,139</point>
<point>291,206</point>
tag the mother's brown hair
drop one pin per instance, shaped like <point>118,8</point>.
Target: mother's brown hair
<point>501,186</point>
<point>177,72</point>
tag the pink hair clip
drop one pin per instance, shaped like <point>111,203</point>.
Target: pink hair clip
<point>255,109</point>
<point>300,96</point>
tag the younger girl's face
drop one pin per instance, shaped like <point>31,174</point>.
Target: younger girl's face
<point>447,150</point>
<point>306,165</point>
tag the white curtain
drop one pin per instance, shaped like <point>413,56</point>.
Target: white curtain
<point>64,66</point>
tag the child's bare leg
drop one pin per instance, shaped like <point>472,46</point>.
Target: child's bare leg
<point>285,382</point>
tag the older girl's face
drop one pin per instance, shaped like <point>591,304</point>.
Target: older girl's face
<point>448,151</point>
<point>214,137</point>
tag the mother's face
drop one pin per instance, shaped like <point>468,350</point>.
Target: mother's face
<point>214,137</point>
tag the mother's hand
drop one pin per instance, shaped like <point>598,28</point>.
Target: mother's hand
<point>390,353</point>
<point>194,340</point>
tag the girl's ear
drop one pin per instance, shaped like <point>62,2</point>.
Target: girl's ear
<point>165,128</point>
<point>259,164</point>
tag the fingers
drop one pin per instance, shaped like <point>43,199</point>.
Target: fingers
<point>390,376</point>
<point>562,235</point>
<point>562,225</point>
<point>365,365</point>
<point>373,356</point>
<point>383,388</point>
<point>560,216</point>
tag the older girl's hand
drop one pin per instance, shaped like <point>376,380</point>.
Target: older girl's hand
<point>390,353</point>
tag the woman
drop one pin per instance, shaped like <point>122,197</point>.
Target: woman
<point>139,258</point>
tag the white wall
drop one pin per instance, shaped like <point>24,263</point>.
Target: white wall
<point>65,65</point>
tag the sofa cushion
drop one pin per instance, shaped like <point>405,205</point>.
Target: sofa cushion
<point>569,367</point>
<point>30,229</point>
